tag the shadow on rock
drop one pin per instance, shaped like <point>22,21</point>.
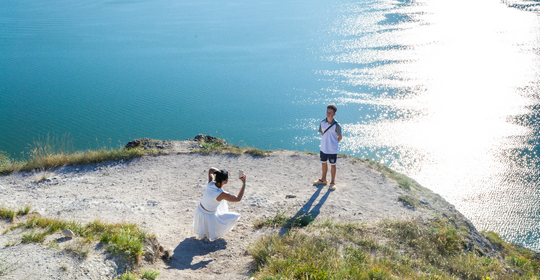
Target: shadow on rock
<point>63,239</point>
<point>191,247</point>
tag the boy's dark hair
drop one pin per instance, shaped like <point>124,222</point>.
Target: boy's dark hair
<point>333,107</point>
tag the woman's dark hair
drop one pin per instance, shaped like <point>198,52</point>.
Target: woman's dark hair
<point>221,175</point>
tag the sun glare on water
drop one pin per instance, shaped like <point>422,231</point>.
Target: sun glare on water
<point>454,73</point>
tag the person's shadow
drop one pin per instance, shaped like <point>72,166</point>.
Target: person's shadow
<point>307,214</point>
<point>191,247</point>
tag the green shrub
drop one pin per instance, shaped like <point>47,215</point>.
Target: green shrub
<point>409,200</point>
<point>150,274</point>
<point>7,213</point>
<point>11,214</point>
<point>279,220</point>
<point>128,276</point>
<point>80,248</point>
<point>403,181</point>
<point>255,152</point>
<point>221,147</point>
<point>24,211</point>
<point>8,165</point>
<point>126,242</point>
<point>33,237</point>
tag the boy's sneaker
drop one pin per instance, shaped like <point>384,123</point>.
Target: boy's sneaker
<point>319,182</point>
<point>332,187</point>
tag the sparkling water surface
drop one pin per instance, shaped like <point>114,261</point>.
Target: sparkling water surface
<point>446,92</point>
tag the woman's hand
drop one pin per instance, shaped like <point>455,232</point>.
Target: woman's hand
<point>243,179</point>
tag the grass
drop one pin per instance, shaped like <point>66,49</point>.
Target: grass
<point>52,152</point>
<point>7,213</point>
<point>149,274</point>
<point>523,260</point>
<point>11,214</point>
<point>121,239</point>
<point>404,249</point>
<point>33,237</point>
<point>80,248</point>
<point>280,220</point>
<point>128,276</point>
<point>145,274</point>
<point>403,181</point>
<point>47,161</point>
<point>223,148</point>
<point>409,200</point>
<point>125,240</point>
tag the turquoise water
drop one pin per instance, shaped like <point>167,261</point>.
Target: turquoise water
<point>160,69</point>
<point>445,92</point>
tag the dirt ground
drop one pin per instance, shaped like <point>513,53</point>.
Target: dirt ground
<point>160,194</point>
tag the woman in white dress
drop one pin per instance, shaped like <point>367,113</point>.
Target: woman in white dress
<point>212,218</point>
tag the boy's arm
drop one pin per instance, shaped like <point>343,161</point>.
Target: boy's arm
<point>339,138</point>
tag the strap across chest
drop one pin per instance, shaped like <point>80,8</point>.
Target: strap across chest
<point>334,122</point>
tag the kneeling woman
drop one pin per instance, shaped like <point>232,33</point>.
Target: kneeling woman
<point>212,218</point>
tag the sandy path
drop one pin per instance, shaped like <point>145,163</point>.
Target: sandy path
<point>161,192</point>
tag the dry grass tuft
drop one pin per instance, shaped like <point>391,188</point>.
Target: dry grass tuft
<point>53,153</point>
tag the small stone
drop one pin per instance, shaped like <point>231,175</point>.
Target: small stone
<point>68,233</point>
<point>149,250</point>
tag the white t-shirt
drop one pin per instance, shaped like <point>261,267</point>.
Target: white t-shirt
<point>329,141</point>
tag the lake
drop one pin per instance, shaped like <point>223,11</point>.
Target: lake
<point>446,92</point>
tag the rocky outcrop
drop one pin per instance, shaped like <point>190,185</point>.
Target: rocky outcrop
<point>147,143</point>
<point>209,139</point>
<point>153,251</point>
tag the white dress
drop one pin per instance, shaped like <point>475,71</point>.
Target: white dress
<point>216,220</point>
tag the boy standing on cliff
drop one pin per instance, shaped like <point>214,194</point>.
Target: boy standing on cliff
<point>331,136</point>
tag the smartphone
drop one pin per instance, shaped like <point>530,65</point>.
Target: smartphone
<point>240,174</point>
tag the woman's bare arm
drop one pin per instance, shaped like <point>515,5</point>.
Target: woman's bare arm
<point>233,198</point>
<point>211,174</point>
